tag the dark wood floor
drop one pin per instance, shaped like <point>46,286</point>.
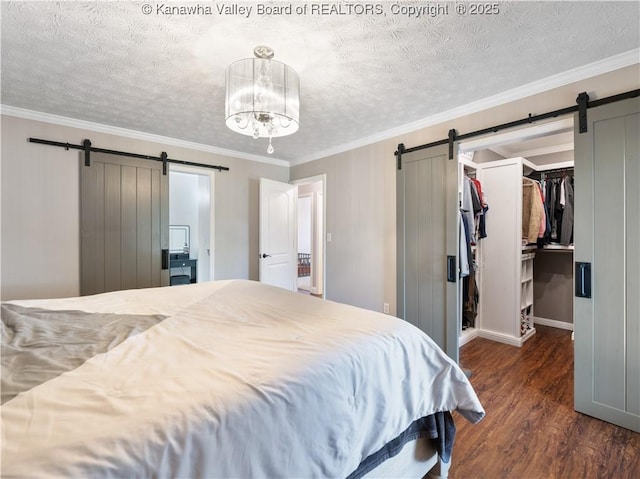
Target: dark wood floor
<point>531,430</point>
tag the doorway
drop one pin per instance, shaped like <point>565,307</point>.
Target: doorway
<point>311,235</point>
<point>191,210</point>
<point>542,267</point>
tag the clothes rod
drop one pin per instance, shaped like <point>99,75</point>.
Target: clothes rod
<point>553,173</point>
<point>86,147</point>
<point>582,101</point>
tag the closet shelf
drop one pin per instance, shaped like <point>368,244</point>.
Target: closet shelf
<point>557,247</point>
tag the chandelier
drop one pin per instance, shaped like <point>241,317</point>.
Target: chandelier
<point>262,97</point>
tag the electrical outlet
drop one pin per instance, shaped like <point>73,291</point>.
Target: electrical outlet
<point>385,308</point>
<point>328,237</point>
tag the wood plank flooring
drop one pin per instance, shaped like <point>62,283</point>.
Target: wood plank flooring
<point>531,430</point>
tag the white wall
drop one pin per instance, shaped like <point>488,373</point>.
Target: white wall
<point>40,230</point>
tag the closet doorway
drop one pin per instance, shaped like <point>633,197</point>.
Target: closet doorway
<point>191,208</point>
<point>516,283</point>
<point>311,226</point>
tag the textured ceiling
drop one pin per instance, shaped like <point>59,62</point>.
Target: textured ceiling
<point>360,75</point>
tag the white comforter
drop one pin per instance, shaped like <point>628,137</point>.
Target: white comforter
<point>241,380</point>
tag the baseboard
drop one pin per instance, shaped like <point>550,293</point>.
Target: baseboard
<point>505,338</point>
<point>553,323</point>
<point>467,335</point>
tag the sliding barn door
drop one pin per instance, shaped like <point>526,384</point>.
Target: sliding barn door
<point>607,240</point>
<point>124,224</point>
<point>427,230</point>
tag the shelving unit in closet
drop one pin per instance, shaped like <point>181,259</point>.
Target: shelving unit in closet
<point>526,294</point>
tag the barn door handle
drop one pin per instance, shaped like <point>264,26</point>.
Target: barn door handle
<point>165,259</point>
<point>451,269</point>
<point>583,280</point>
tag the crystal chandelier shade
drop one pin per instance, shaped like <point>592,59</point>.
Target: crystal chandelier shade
<point>262,97</point>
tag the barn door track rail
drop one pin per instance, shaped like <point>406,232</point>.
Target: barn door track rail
<point>582,105</point>
<point>87,148</point>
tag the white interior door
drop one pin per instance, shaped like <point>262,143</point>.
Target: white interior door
<point>278,231</point>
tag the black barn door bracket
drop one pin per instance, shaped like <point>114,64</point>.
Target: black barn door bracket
<point>398,154</point>
<point>583,103</point>
<point>452,138</point>
<point>87,152</point>
<point>163,157</point>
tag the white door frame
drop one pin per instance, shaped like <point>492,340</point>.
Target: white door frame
<point>529,133</point>
<point>195,170</point>
<point>315,179</point>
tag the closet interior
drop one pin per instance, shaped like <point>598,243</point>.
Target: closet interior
<point>516,237</point>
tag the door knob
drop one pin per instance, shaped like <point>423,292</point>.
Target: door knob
<point>265,255</point>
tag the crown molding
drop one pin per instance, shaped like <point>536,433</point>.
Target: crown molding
<point>613,63</point>
<point>134,134</point>
<point>616,62</point>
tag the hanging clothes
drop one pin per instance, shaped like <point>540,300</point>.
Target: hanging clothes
<point>532,211</point>
<point>566,235</point>
<point>559,204</point>
<point>468,208</point>
<point>470,300</point>
<point>558,209</point>
<point>550,201</point>
<point>480,220</point>
<point>543,214</point>
<point>464,247</point>
<point>470,293</point>
<point>482,223</point>
<point>475,226</point>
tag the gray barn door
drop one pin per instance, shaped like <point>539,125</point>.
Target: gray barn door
<point>124,225</point>
<point>427,216</point>
<point>607,235</point>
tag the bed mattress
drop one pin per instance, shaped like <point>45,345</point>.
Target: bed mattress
<point>221,379</point>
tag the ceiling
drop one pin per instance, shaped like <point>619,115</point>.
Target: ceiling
<point>361,76</point>
<point>554,147</point>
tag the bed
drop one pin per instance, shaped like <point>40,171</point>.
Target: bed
<point>223,379</point>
